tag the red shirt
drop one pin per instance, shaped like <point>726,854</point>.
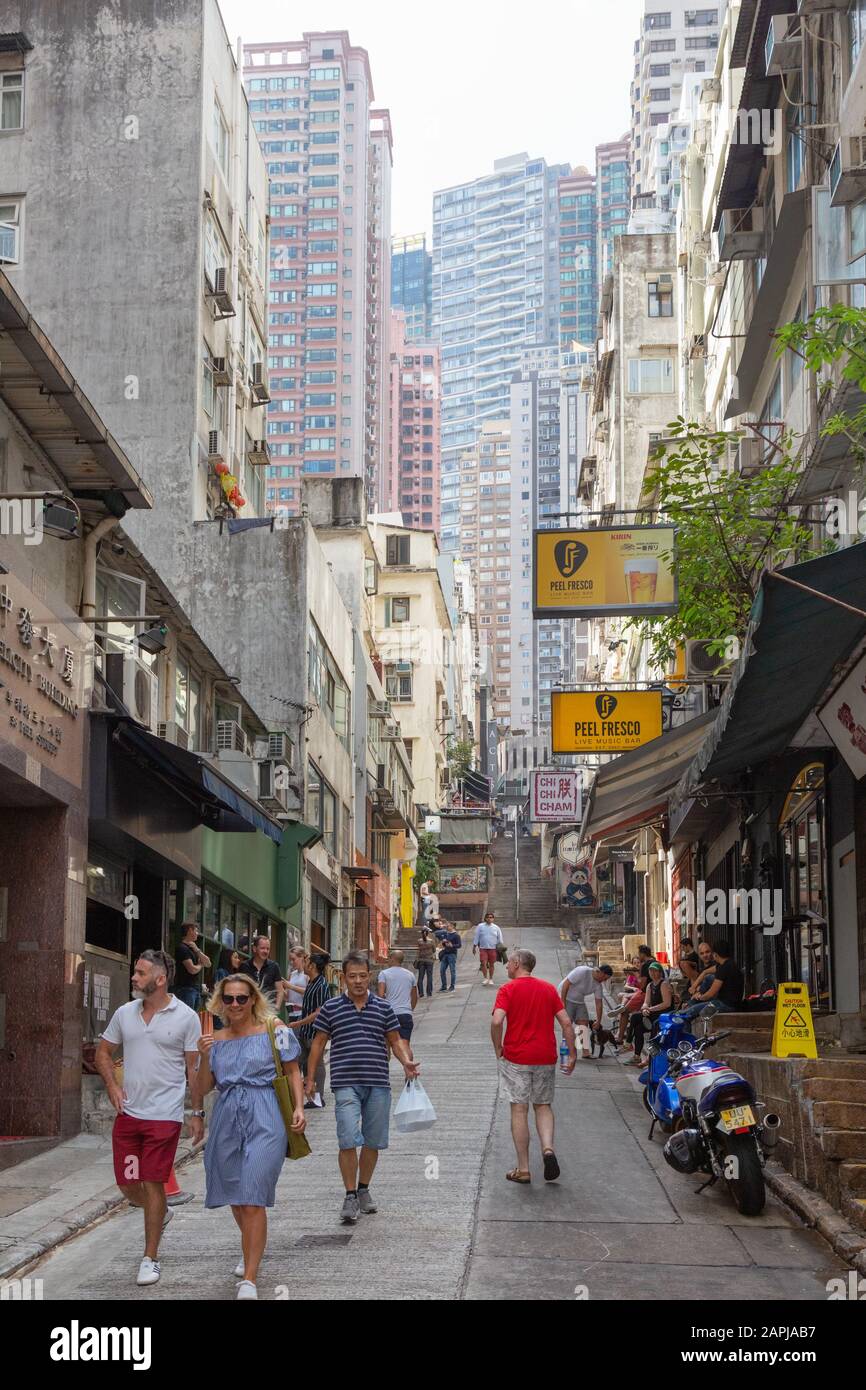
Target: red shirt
<point>530,1006</point>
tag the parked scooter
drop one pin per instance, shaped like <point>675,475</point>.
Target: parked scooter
<point>720,1130</point>
<point>660,1095</point>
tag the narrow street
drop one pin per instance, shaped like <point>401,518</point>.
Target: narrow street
<point>619,1223</point>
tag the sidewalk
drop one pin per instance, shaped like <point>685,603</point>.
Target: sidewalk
<point>46,1199</point>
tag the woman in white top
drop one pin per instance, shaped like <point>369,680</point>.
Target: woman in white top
<point>297,982</point>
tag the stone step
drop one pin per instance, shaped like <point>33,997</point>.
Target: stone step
<point>839,1114</point>
<point>852,1177</point>
<point>854,1208</point>
<point>841,1068</point>
<point>842,1143</point>
<point>741,1040</point>
<point>831,1088</point>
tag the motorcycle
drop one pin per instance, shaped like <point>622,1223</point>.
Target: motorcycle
<point>718,1131</point>
<point>660,1095</point>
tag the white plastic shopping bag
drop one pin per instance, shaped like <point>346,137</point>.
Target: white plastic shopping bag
<point>414,1110</point>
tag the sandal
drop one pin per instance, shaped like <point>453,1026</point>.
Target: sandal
<point>551,1167</point>
<point>518,1175</point>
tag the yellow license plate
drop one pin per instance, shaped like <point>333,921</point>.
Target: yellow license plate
<point>738,1118</point>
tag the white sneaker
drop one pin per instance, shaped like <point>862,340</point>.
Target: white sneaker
<point>240,1267</point>
<point>317,1101</point>
<point>148,1271</point>
<point>246,1289</point>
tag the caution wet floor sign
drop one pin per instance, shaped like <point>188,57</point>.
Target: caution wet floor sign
<point>793,1030</point>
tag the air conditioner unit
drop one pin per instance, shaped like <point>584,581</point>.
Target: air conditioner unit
<point>174,733</point>
<point>273,793</point>
<point>847,171</point>
<point>221,293</point>
<point>821,6</point>
<point>783,48</point>
<point>711,90</point>
<point>136,685</point>
<point>280,747</point>
<point>749,457</point>
<point>221,371</point>
<point>379,709</point>
<point>702,664</point>
<point>231,737</point>
<point>741,234</point>
<point>392,733</point>
<point>259,383</point>
<point>215,447</point>
<point>259,452</point>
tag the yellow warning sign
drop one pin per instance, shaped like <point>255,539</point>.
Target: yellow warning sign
<point>793,1031</point>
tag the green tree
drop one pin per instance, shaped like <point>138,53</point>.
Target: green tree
<point>729,528</point>
<point>460,755</point>
<point>832,335</point>
<point>427,864</point>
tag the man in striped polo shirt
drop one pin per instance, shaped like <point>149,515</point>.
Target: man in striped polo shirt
<point>360,1026</point>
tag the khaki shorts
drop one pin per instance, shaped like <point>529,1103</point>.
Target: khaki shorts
<point>527,1085</point>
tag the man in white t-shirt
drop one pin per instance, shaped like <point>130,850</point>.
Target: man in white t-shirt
<point>160,1037</point>
<point>397,985</point>
<point>297,983</point>
<point>487,940</point>
<point>573,990</point>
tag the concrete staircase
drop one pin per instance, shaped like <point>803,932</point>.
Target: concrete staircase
<point>502,901</point>
<point>538,905</point>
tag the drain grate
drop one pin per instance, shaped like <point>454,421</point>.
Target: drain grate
<point>320,1242</point>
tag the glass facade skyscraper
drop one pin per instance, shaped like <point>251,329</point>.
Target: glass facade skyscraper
<point>495,293</point>
<point>412,284</point>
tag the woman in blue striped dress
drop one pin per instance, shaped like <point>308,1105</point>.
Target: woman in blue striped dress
<point>247,1141</point>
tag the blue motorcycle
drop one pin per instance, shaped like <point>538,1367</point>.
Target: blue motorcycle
<point>660,1094</point>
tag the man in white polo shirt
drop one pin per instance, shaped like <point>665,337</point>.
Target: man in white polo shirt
<point>160,1037</point>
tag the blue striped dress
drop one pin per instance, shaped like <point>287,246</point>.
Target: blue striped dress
<point>247,1141</point>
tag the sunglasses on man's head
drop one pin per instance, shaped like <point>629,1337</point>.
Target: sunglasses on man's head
<point>239,999</point>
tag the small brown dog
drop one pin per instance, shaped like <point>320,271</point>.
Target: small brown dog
<point>600,1037</point>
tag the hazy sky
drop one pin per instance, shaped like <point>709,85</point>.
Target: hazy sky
<point>473,81</point>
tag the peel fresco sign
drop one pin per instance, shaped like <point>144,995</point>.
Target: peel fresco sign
<point>605,721</point>
<point>605,571</point>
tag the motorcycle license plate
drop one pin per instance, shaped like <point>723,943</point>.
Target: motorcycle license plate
<point>738,1118</point>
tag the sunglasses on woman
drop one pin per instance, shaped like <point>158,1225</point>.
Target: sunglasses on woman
<point>239,999</point>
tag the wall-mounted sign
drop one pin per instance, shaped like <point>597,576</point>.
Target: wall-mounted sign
<point>620,854</point>
<point>568,848</point>
<point>844,718</point>
<point>459,879</point>
<point>582,574</point>
<point>555,796</point>
<point>605,721</point>
<point>42,681</point>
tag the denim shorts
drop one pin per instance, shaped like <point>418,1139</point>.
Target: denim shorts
<point>407,1023</point>
<point>363,1115</point>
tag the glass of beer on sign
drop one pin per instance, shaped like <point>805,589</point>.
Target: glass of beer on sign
<point>641,579</point>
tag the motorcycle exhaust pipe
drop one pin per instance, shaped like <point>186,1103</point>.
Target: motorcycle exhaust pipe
<point>769,1131</point>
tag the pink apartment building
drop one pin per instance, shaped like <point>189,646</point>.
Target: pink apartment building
<point>410,481</point>
<point>329,158</point>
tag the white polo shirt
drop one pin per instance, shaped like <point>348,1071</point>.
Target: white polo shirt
<point>154,1066</point>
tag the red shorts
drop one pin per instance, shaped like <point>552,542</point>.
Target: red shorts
<point>144,1150</point>
<point>487,954</point>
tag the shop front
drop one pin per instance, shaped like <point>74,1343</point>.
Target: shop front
<point>465,867</point>
<point>44,695</point>
<point>772,804</point>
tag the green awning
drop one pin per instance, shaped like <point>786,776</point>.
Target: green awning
<point>290,857</point>
<point>796,647</point>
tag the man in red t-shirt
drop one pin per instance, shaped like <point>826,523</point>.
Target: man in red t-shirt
<point>527,1058</point>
